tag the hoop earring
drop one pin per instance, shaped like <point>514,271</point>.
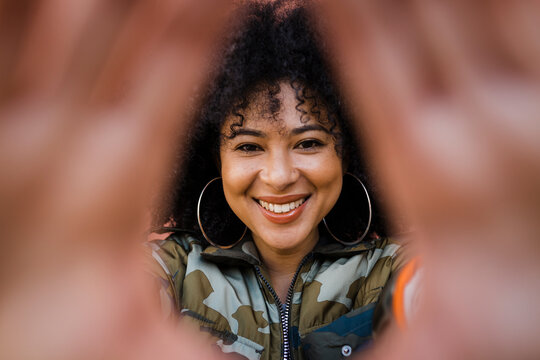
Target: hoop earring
<point>351,203</point>
<point>204,233</point>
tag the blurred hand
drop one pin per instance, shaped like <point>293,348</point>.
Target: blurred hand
<point>448,100</point>
<point>92,100</point>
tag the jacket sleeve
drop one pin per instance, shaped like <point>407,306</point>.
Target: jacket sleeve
<point>398,298</point>
<point>167,264</point>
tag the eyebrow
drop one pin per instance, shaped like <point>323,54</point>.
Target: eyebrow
<point>310,127</point>
<point>295,131</point>
<point>251,132</point>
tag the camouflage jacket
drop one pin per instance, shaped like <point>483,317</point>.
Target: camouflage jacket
<point>329,310</point>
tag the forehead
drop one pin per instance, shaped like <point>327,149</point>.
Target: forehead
<point>277,109</point>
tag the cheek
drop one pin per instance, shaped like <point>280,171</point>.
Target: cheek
<point>237,177</point>
<point>329,171</point>
<point>230,175</point>
<point>326,174</point>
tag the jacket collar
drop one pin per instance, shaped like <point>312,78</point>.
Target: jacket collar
<point>245,252</point>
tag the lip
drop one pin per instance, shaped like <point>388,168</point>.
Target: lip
<point>286,217</point>
<point>282,199</point>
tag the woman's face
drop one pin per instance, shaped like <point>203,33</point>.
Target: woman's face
<point>281,176</point>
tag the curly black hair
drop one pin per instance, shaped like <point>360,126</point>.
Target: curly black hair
<point>276,42</point>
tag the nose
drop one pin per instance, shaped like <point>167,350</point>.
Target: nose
<point>279,171</point>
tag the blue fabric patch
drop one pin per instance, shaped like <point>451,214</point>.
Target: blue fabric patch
<point>359,324</point>
<point>294,336</point>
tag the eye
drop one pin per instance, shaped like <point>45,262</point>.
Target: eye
<point>248,148</point>
<point>309,144</point>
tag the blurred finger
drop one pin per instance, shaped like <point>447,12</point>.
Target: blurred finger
<point>386,72</point>
<point>517,25</point>
<point>49,44</point>
<point>91,166</point>
<point>14,17</point>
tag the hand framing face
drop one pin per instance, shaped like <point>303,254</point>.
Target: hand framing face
<point>448,99</point>
<point>92,98</point>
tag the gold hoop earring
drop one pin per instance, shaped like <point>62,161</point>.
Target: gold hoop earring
<point>204,233</point>
<point>351,203</point>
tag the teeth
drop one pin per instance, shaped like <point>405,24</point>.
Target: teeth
<point>281,208</point>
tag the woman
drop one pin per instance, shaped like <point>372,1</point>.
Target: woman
<point>278,250</point>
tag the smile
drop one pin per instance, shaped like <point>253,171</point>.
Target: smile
<point>282,210</point>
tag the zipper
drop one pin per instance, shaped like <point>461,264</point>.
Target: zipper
<point>284,309</point>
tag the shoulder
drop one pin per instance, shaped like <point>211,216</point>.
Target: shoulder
<point>395,249</point>
<point>399,298</point>
<point>380,263</point>
<point>175,247</point>
<point>168,260</point>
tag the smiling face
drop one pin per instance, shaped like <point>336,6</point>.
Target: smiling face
<point>281,176</point>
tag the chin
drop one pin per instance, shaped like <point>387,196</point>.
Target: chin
<point>284,240</point>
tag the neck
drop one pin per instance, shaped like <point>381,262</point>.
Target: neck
<point>281,264</point>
